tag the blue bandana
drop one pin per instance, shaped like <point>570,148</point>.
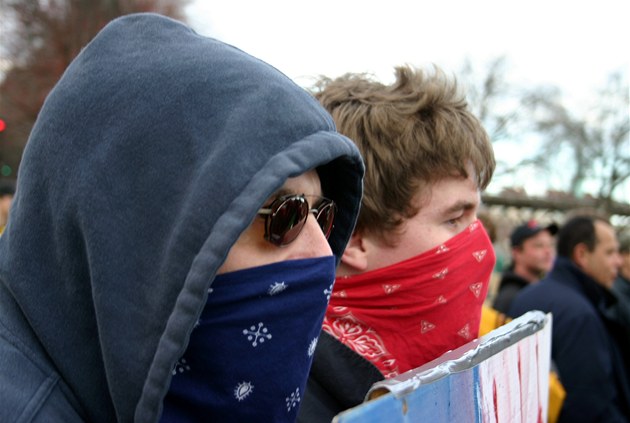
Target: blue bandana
<point>250,354</point>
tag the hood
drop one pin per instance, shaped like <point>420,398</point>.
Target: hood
<point>150,156</point>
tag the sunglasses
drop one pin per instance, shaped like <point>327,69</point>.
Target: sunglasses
<point>287,215</point>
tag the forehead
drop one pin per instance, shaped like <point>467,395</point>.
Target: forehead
<point>451,194</point>
<point>307,183</point>
<point>605,235</point>
<point>543,235</point>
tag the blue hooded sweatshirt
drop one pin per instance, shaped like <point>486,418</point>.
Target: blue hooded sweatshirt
<point>150,156</point>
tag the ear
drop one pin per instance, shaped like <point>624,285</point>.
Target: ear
<point>580,252</point>
<point>354,257</point>
<point>515,252</point>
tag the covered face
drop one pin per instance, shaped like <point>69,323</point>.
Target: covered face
<point>150,158</point>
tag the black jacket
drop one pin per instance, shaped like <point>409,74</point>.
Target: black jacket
<point>509,287</point>
<point>622,287</point>
<point>339,380</point>
<point>589,344</point>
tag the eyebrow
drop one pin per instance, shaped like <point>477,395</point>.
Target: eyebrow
<point>277,194</point>
<point>460,205</point>
<point>282,192</point>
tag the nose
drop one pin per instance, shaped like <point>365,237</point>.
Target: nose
<point>311,242</point>
<point>618,261</point>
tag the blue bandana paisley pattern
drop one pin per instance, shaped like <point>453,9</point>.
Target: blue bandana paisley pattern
<point>249,355</point>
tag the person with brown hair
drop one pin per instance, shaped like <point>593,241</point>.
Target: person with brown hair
<point>415,273</point>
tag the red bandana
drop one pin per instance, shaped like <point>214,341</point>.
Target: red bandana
<point>402,316</point>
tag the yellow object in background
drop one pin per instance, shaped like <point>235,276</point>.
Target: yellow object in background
<point>556,397</point>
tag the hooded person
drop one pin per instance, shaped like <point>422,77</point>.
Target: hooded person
<point>167,255</point>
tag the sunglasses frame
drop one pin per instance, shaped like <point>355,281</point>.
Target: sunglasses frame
<point>270,213</point>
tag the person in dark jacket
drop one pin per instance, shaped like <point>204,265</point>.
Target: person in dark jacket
<point>622,282</point>
<point>166,257</point>
<point>533,252</point>
<point>589,346</point>
<point>414,276</point>
<point>7,191</point>
<point>621,286</point>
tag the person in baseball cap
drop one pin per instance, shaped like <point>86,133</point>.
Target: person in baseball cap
<point>528,230</point>
<point>533,253</point>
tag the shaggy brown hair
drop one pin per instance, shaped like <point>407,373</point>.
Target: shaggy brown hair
<point>411,134</point>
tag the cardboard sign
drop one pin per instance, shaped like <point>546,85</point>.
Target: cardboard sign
<point>501,377</point>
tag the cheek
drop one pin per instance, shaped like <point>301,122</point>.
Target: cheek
<point>249,250</point>
<point>605,268</point>
<point>417,240</point>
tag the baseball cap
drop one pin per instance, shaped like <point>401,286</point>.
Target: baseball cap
<point>528,230</point>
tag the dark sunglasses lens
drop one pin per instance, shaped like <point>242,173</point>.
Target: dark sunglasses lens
<point>288,220</point>
<point>326,217</point>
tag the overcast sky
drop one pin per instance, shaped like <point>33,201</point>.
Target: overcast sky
<point>574,45</point>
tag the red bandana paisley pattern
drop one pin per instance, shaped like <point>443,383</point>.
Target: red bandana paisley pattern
<point>402,316</point>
